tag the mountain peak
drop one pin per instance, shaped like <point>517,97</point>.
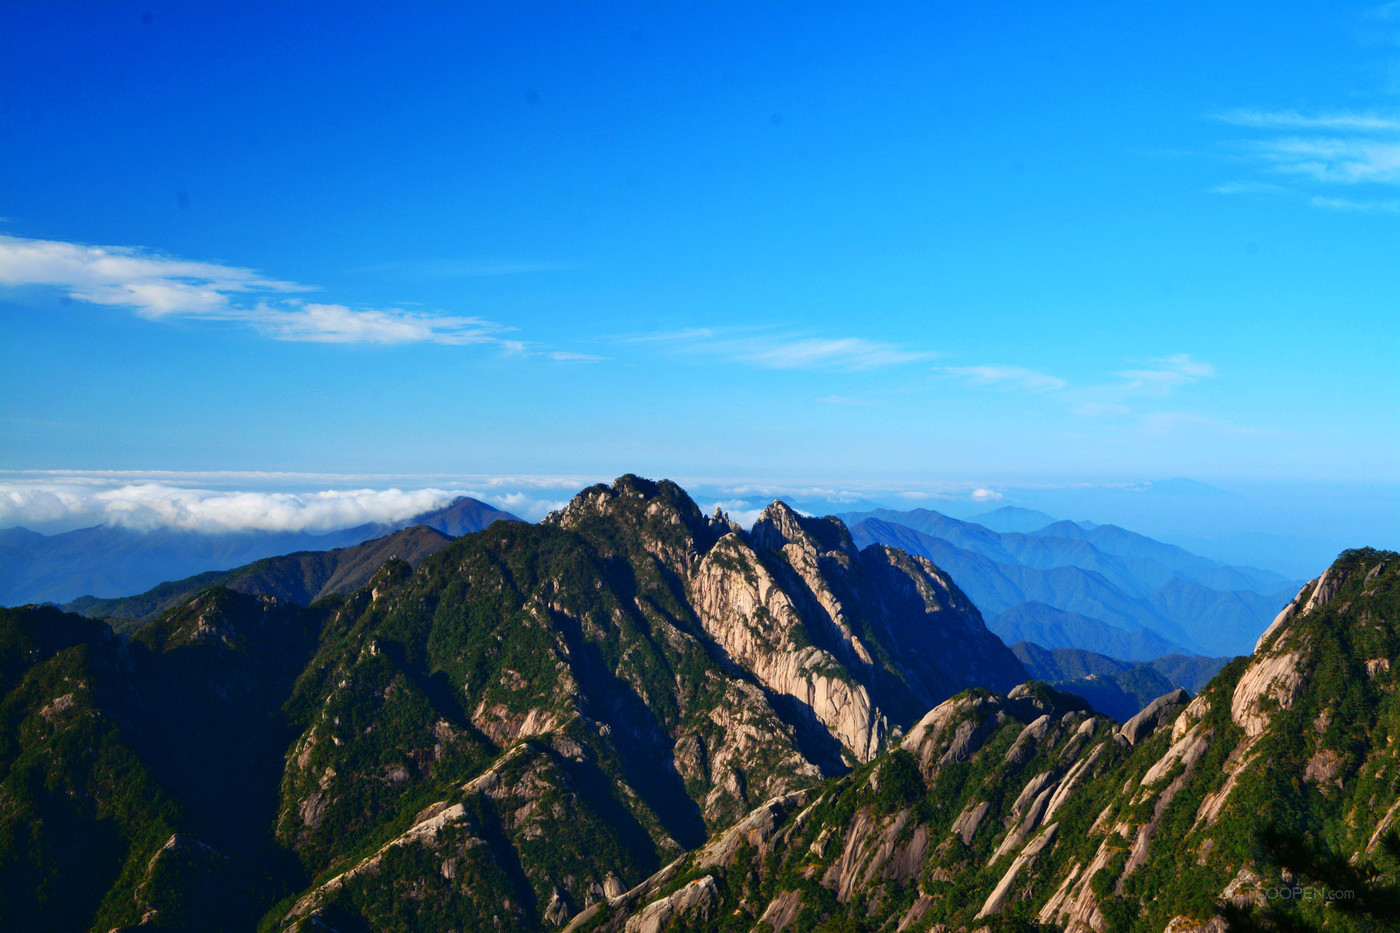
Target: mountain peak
<point>781,524</point>
<point>461,516</point>
<point>1375,568</point>
<point>633,499</point>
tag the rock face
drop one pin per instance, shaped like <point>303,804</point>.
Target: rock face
<point>1163,709</point>
<point>854,636</point>
<point>526,725</point>
<point>635,717</point>
<point>1029,808</point>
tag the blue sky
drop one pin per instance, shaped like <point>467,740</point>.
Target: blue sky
<point>894,247</point>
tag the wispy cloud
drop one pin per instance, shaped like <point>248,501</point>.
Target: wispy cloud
<point>322,323</point>
<point>1101,409</point>
<point>205,502</point>
<point>564,356</point>
<point>156,286</point>
<point>1293,120</point>
<point>152,284</point>
<point>1248,187</point>
<point>147,506</point>
<point>1164,423</point>
<point>1391,206</point>
<point>1166,373</point>
<point>1017,377</point>
<point>1153,378</point>
<point>843,400</point>
<point>1309,155</point>
<point>463,268</point>
<point>1330,159</point>
<point>787,351</point>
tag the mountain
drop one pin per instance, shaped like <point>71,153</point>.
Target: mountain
<point>1118,689</point>
<point>462,516</point>
<point>535,719</point>
<point>1013,518</point>
<point>1121,580</point>
<point>1026,811</point>
<point>1054,628</point>
<point>300,578</point>
<point>108,561</point>
<point>996,587</point>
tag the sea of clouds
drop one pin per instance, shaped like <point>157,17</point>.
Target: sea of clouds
<point>77,501</point>
<point>216,501</point>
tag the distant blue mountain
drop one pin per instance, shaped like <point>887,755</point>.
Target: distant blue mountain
<point>1013,518</point>
<point>1054,628</point>
<point>1097,587</point>
<point>1115,687</point>
<point>111,561</point>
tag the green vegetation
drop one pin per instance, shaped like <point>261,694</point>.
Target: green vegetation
<point>537,718</point>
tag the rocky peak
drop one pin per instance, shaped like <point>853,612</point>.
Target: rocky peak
<point>627,496</point>
<point>657,516</point>
<point>722,524</point>
<point>221,616</point>
<point>1160,711</point>
<point>781,525</point>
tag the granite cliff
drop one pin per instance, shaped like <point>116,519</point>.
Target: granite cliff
<point>534,719</point>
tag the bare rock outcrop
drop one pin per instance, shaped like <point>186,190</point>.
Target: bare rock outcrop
<point>754,619</point>
<point>1154,714</point>
<point>693,902</point>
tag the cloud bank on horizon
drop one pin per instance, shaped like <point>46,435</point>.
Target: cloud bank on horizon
<point>225,501</point>
<point>1244,523</point>
<point>148,506</point>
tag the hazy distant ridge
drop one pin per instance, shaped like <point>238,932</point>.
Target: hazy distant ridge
<point>1100,587</point>
<point>107,561</point>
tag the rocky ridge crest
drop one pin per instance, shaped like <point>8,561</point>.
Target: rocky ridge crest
<point>996,811</point>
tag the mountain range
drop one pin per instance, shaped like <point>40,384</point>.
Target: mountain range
<point>1096,587</point>
<point>633,717</point>
<point>608,689</point>
<point>107,561</point>
<point>1267,802</point>
<point>1118,689</point>
<point>300,578</point>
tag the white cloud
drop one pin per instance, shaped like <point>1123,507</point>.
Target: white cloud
<point>737,510</point>
<point>1167,373</point>
<point>1307,155</point>
<point>1350,204</point>
<point>146,506</point>
<point>842,400</point>
<point>1098,409</point>
<point>156,286</point>
<point>1330,159</point>
<point>566,357</point>
<point>1013,376</point>
<point>1247,187</point>
<point>982,494</point>
<point>323,323</point>
<point>1165,423</point>
<point>216,501</point>
<point>817,353</point>
<point>1293,120</point>
<point>150,283</point>
<point>463,268</point>
<point>523,505</point>
<point>786,351</point>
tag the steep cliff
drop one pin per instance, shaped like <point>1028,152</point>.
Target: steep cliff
<point>632,675</point>
<point>1269,801</point>
<point>535,719</point>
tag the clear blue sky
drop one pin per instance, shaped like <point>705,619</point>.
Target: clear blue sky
<point>900,243</point>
